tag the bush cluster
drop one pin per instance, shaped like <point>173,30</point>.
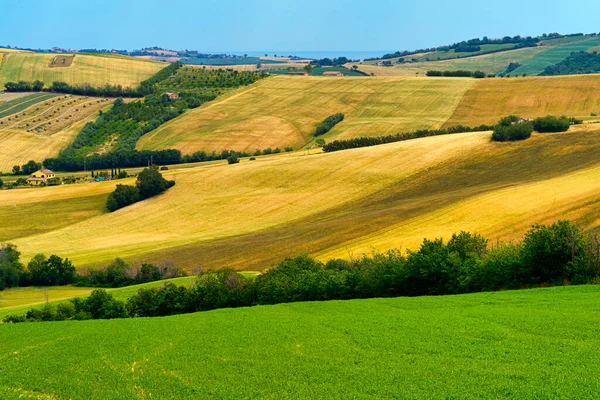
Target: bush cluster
<point>329,123</point>
<point>337,145</point>
<point>459,74</point>
<point>512,128</point>
<point>548,255</point>
<point>149,183</point>
<point>554,124</point>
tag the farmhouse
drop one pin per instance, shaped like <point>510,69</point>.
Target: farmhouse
<point>41,177</point>
<point>298,73</point>
<point>332,73</point>
<point>172,96</point>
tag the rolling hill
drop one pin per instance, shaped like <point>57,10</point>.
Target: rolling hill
<point>531,60</point>
<point>97,70</point>
<point>284,111</point>
<point>514,344</point>
<point>254,214</point>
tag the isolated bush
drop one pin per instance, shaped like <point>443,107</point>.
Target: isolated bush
<point>329,123</point>
<point>233,159</point>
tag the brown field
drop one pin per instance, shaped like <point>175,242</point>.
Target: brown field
<point>490,99</point>
<point>62,61</point>
<point>8,96</point>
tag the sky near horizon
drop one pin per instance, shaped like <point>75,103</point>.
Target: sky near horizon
<point>280,25</point>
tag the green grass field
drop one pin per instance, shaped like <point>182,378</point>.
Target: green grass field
<point>529,344</point>
<point>96,70</point>
<point>451,54</point>
<point>553,55</point>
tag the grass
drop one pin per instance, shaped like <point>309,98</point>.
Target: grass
<point>253,214</point>
<point>489,99</point>
<point>96,70</point>
<point>552,56</point>
<point>284,111</point>
<point>530,344</point>
<point>18,146</point>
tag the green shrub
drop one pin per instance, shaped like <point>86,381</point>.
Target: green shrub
<point>233,159</point>
<point>512,128</point>
<point>551,124</point>
<point>329,123</point>
<point>123,196</point>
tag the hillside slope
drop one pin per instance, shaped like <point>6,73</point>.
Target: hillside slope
<point>540,343</point>
<point>97,70</point>
<point>284,111</point>
<point>253,214</point>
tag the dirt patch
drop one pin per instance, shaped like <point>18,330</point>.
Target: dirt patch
<point>61,61</point>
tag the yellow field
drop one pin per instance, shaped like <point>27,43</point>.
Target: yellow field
<point>284,111</point>
<point>490,99</point>
<point>253,214</point>
<point>19,146</point>
<point>96,70</point>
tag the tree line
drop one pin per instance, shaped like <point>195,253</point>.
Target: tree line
<point>338,145</point>
<point>329,123</point>
<point>459,73</point>
<point>56,271</point>
<point>557,254</point>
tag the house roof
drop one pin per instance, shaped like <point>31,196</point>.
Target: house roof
<point>46,171</point>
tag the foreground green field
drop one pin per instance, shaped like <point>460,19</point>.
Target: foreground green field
<point>97,70</point>
<point>530,344</point>
<point>253,214</point>
<point>284,111</point>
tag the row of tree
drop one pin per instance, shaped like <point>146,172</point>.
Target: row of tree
<point>338,145</point>
<point>329,123</point>
<point>548,255</point>
<point>459,74</point>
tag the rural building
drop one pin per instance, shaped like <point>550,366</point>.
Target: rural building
<point>298,73</point>
<point>332,73</point>
<point>172,96</point>
<point>40,177</point>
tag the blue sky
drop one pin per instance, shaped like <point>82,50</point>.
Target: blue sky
<point>280,25</point>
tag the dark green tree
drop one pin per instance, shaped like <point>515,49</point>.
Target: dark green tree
<point>123,196</point>
<point>150,182</point>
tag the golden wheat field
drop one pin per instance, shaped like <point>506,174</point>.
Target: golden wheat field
<point>284,111</point>
<point>253,214</point>
<point>96,70</point>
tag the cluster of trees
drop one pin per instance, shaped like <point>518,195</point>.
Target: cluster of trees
<point>512,128</point>
<point>121,158</point>
<point>548,255</point>
<point>192,78</point>
<point>331,62</point>
<point>554,124</point>
<point>40,271</point>
<point>459,73</point>
<point>577,63</point>
<point>55,271</point>
<point>26,169</point>
<point>329,123</point>
<point>337,145</point>
<point>149,183</point>
<point>24,86</point>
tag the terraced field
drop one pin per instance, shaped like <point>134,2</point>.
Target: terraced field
<point>96,70</point>
<point>284,111</point>
<point>253,214</point>
<point>516,344</point>
<point>19,146</point>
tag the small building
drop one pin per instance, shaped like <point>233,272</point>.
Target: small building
<point>333,73</point>
<point>299,73</point>
<point>172,96</point>
<point>41,177</point>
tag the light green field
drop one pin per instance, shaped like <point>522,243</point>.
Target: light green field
<point>96,70</point>
<point>253,214</point>
<point>531,344</point>
<point>552,56</point>
<point>284,111</point>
